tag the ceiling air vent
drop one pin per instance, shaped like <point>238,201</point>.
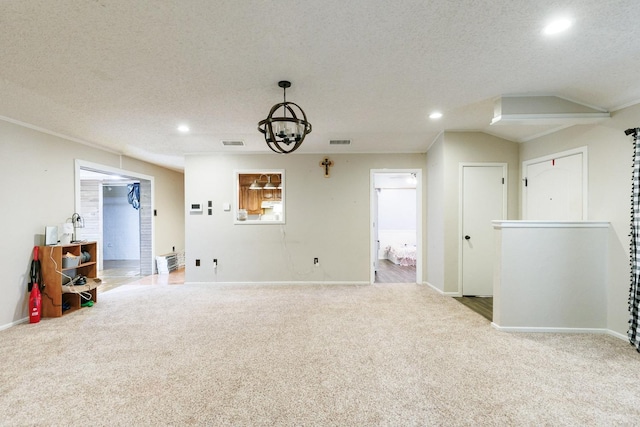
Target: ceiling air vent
<point>339,142</point>
<point>233,143</point>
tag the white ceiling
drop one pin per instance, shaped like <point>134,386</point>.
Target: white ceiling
<point>123,74</point>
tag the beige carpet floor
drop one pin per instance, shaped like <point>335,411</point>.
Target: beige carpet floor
<point>377,355</point>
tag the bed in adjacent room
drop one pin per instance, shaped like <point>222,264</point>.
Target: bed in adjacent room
<point>401,254</point>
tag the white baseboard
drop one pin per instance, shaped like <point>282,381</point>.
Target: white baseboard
<point>549,329</point>
<point>623,337</point>
<point>441,292</point>
<point>560,330</point>
<point>17,322</point>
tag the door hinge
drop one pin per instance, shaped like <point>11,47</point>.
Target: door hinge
<point>502,180</point>
<point>526,182</point>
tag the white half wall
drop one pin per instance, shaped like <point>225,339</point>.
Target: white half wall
<point>550,275</point>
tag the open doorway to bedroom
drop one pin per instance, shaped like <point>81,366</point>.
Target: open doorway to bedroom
<point>396,212</point>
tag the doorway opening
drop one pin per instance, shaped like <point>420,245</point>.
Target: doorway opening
<point>121,231</point>
<point>396,233</point>
<point>121,226</point>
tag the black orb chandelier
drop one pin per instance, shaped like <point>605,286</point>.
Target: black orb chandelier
<point>285,133</point>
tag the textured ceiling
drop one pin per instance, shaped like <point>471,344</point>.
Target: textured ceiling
<point>123,74</point>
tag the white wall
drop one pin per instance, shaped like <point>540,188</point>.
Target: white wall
<point>39,171</point>
<point>327,218</point>
<point>397,218</point>
<point>435,214</point>
<point>397,209</point>
<point>610,167</point>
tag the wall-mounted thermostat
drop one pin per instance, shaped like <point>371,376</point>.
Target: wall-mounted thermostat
<point>196,208</point>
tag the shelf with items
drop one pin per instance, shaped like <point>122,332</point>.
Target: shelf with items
<point>61,265</point>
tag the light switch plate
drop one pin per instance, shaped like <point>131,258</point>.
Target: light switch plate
<point>226,206</point>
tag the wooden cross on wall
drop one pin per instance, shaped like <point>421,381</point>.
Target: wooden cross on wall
<point>326,163</point>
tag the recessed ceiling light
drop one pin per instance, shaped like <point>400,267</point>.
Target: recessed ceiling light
<point>558,26</point>
<point>183,128</point>
<point>435,115</point>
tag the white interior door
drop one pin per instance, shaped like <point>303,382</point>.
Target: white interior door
<point>483,200</point>
<point>555,188</point>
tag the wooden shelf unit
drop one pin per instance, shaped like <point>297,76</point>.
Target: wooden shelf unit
<point>55,292</point>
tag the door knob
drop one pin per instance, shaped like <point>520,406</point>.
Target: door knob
<point>467,237</point>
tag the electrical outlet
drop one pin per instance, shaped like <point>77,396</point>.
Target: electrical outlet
<point>316,262</point>
<point>215,262</point>
<point>197,263</point>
